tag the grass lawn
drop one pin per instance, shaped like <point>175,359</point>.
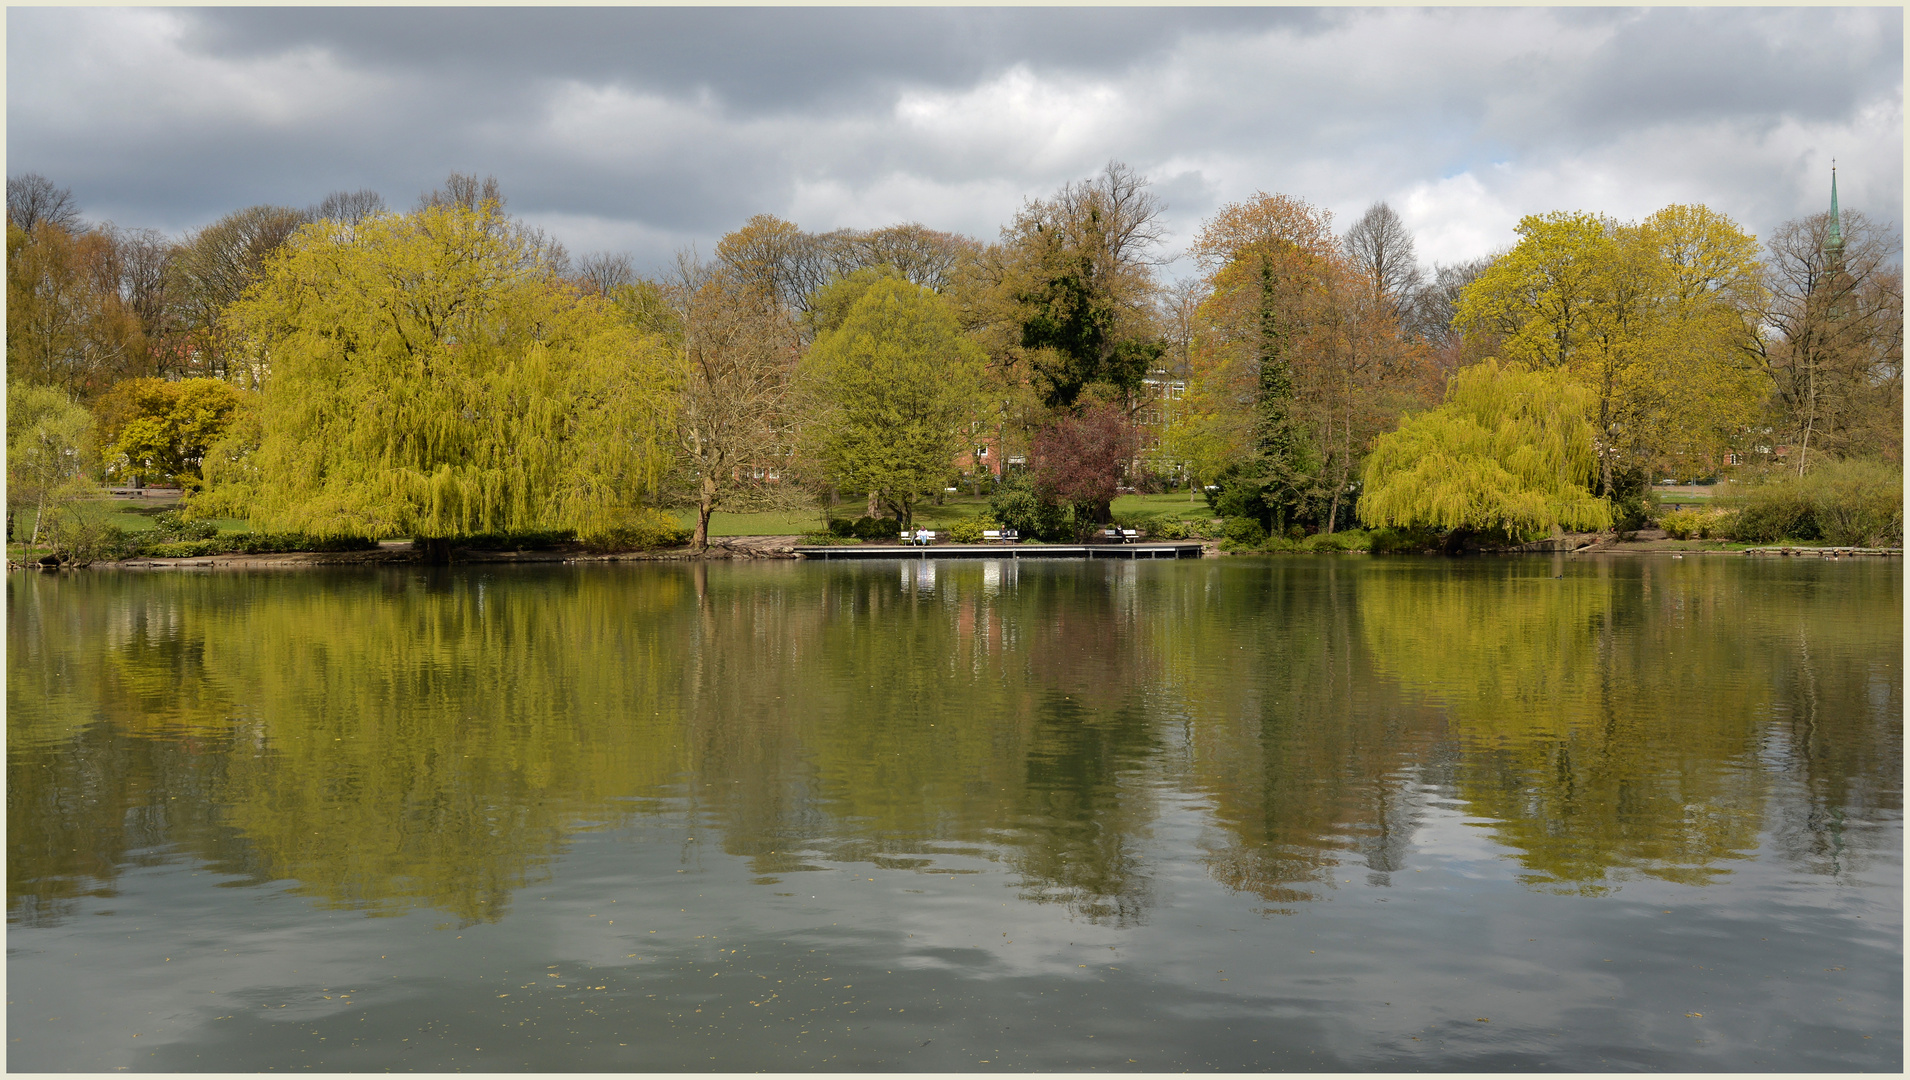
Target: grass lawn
<point>799,522</point>
<point>1177,505</point>
<point>929,516</point>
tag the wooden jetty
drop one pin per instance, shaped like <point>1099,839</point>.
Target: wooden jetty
<point>1189,550</point>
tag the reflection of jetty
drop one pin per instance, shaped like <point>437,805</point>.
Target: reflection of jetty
<point>1189,550</point>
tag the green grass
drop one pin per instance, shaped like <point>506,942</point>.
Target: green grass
<point>804,522</point>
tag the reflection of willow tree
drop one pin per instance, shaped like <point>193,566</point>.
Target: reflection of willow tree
<point>958,717</point>
<point>383,743</point>
<point>1305,756</point>
<point>1610,721</point>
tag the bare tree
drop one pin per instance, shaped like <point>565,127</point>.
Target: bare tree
<point>1381,247</point>
<point>140,267</point>
<point>600,271</point>
<point>1835,352</point>
<point>213,266</point>
<point>1429,316</point>
<point>737,421</point>
<point>923,256</point>
<point>350,207</point>
<point>465,190</point>
<point>33,200</point>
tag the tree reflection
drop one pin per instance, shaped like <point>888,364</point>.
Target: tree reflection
<point>393,740</point>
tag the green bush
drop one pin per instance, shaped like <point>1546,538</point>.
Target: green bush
<point>1015,504</point>
<point>1389,540</point>
<point>78,540</point>
<point>1851,503</point>
<point>1858,503</point>
<point>1777,510</point>
<point>1344,540</point>
<point>969,530</point>
<point>524,541</point>
<point>185,549</point>
<point>171,527</point>
<point>276,543</point>
<point>842,528</point>
<point>644,531</point>
<point>874,528</point>
<point>1244,532</point>
<point>248,544</point>
<point>1693,523</point>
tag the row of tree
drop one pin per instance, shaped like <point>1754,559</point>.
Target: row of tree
<point>348,369</point>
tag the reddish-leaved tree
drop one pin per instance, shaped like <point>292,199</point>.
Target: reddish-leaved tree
<point>1077,461</point>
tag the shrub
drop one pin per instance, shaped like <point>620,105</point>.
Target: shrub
<point>1244,531</point>
<point>1777,509</point>
<point>171,527</point>
<point>969,530</point>
<point>643,531</point>
<point>842,528</point>
<point>1858,503</point>
<point>1691,523</point>
<point>1344,540</point>
<point>185,549</point>
<point>873,528</point>
<point>273,543</point>
<point>1403,541</point>
<point>250,544</point>
<point>78,540</point>
<point>1017,506</point>
<point>523,541</point>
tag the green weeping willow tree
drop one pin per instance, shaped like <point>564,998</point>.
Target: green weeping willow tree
<point>1510,451</point>
<point>429,375</point>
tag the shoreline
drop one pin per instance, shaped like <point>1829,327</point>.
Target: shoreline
<point>401,553</point>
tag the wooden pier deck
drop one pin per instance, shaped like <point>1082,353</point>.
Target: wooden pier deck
<point>1187,550</point>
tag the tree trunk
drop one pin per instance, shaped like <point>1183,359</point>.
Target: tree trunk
<point>875,503</point>
<point>436,549</point>
<point>705,506</point>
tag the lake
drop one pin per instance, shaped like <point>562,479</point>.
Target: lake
<point>1275,813</point>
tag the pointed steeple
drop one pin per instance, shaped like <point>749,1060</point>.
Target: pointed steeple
<point>1834,236</point>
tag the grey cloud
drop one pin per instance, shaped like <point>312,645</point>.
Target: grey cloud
<point>1675,65</point>
<point>1340,106</point>
<point>754,60</point>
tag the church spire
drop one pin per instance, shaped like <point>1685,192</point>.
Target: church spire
<point>1834,237</point>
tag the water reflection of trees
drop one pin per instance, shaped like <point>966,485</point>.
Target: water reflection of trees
<point>387,741</point>
<point>1618,719</point>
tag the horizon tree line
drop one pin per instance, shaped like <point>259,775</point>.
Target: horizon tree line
<point>772,374</point>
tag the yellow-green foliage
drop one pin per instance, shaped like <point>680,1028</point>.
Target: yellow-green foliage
<point>647,528</point>
<point>1692,524</point>
<point>969,530</point>
<point>1656,318</point>
<point>1511,449</point>
<point>159,430</point>
<point>428,374</point>
<point>895,384</point>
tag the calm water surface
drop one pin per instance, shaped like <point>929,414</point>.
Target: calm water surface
<point>1289,813</point>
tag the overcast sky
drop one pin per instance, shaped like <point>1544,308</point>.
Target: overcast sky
<point>648,129</point>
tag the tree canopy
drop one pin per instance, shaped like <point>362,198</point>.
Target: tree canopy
<point>1512,450</point>
<point>1658,319</point>
<point>895,386</point>
<point>428,375</point>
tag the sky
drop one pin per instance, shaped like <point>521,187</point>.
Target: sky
<point>649,130</point>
